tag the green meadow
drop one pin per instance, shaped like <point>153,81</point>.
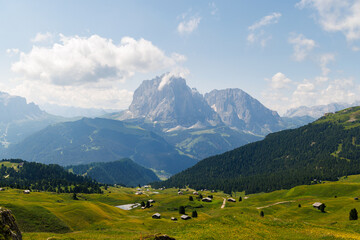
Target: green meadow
<point>44,215</point>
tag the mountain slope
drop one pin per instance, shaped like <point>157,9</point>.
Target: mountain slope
<point>99,140</point>
<point>123,171</point>
<point>326,149</point>
<point>19,119</point>
<point>238,109</point>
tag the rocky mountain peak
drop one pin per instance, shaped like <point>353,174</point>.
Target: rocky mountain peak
<point>170,101</point>
<point>238,109</point>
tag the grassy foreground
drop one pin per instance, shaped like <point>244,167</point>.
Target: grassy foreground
<point>43,215</point>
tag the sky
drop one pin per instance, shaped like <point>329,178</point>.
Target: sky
<point>94,54</point>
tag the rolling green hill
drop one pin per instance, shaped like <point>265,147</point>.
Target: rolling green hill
<point>100,140</point>
<point>323,150</point>
<point>124,171</point>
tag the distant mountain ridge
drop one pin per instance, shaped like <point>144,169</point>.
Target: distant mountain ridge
<point>100,140</point>
<point>19,119</point>
<point>318,111</point>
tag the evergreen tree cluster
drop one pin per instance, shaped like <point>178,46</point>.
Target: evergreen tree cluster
<point>323,150</point>
<point>42,177</point>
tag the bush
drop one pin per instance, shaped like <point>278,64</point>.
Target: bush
<point>194,214</point>
<point>353,214</point>
<point>182,210</point>
<point>191,198</point>
<point>240,199</point>
<point>262,214</point>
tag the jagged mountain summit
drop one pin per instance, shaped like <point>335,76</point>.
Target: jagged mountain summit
<point>238,109</point>
<point>171,103</point>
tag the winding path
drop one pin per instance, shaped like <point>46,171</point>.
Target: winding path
<point>224,202</point>
<point>273,204</point>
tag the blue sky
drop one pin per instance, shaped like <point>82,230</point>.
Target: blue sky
<point>96,53</point>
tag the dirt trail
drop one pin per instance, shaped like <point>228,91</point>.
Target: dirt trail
<point>273,204</point>
<point>224,202</point>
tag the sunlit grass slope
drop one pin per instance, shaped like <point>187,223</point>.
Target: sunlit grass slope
<point>43,215</point>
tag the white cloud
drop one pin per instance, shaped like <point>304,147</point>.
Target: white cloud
<point>87,71</point>
<point>187,26</point>
<point>337,16</point>
<point>269,19</point>
<point>355,48</point>
<point>176,73</point>
<point>302,46</point>
<point>325,59</point>
<point>80,60</point>
<point>257,34</point>
<point>279,80</point>
<point>42,37</point>
<point>80,96</point>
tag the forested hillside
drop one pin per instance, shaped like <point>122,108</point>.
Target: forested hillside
<point>323,150</point>
<point>124,171</point>
<point>16,173</point>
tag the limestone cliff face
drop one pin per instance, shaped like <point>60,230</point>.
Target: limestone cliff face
<point>9,230</point>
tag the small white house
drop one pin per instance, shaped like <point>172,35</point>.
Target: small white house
<point>185,217</point>
<point>156,216</point>
<point>27,191</point>
<point>231,200</point>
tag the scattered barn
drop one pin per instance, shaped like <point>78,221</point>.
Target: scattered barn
<point>151,201</point>
<point>185,217</point>
<point>180,192</point>
<point>317,205</point>
<point>231,200</point>
<point>156,216</point>
<point>2,189</point>
<point>173,218</point>
<point>195,193</point>
<point>27,191</point>
<point>138,193</point>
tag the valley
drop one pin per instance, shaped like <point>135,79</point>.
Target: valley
<point>44,215</point>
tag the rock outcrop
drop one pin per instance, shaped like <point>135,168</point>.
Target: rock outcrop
<point>9,230</point>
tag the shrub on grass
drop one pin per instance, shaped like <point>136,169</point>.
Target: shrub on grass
<point>353,214</point>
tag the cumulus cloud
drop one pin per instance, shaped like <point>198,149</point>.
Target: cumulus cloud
<point>87,71</point>
<point>337,16</point>
<point>257,34</point>
<point>176,73</point>
<point>302,46</point>
<point>187,26</point>
<point>81,60</point>
<point>12,51</point>
<point>279,80</point>
<point>42,37</point>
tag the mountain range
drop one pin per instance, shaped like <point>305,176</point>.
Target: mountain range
<point>168,126</point>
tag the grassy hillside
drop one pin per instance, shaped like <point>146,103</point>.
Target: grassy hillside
<point>323,150</point>
<point>44,215</point>
<point>124,171</point>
